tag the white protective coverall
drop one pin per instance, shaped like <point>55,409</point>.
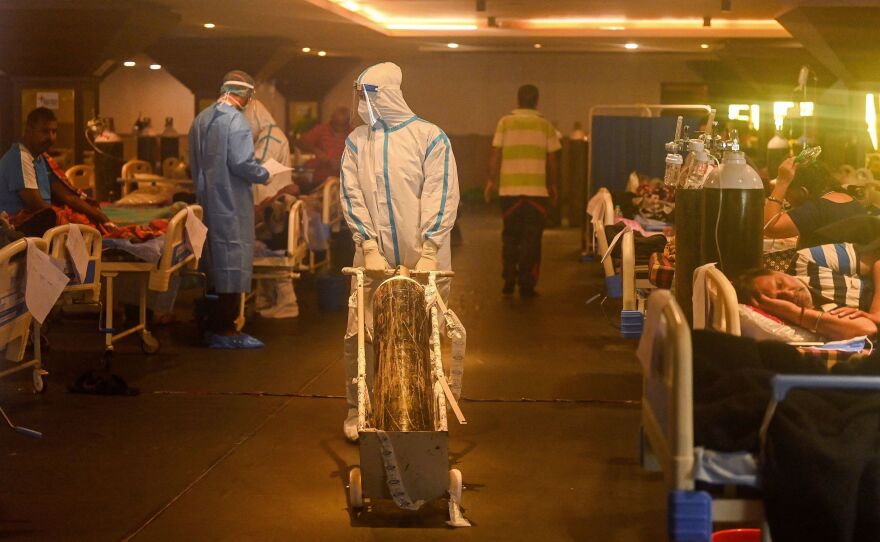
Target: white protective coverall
<point>399,188</point>
<point>275,298</point>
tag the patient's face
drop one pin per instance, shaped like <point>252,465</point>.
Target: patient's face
<point>785,287</point>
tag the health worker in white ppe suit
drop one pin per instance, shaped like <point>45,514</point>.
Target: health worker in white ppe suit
<point>275,298</point>
<point>399,191</point>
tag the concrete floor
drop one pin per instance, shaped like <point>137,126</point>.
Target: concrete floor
<point>202,455</point>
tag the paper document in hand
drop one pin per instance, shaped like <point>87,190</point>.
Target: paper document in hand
<point>274,167</point>
<point>76,251</point>
<point>44,282</point>
<point>196,232</point>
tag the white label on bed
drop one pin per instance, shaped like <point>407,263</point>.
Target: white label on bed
<point>44,282</point>
<point>76,251</point>
<point>196,232</point>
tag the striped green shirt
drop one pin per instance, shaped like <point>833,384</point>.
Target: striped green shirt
<point>524,137</point>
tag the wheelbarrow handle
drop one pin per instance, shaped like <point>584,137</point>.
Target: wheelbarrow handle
<point>393,271</point>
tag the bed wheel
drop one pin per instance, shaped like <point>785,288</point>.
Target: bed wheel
<point>355,490</point>
<point>39,380</point>
<point>149,344</point>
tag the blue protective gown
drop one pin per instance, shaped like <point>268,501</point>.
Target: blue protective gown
<point>221,150</point>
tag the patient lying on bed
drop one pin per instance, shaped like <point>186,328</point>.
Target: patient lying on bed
<point>828,290</point>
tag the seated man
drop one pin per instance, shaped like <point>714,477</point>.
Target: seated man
<point>828,290</point>
<point>30,181</point>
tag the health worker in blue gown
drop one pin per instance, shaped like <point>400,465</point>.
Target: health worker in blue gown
<point>224,171</point>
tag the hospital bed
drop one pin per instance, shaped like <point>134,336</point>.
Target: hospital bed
<point>176,256</point>
<point>285,266</point>
<point>666,355</point>
<point>87,291</point>
<point>15,319</point>
<point>331,218</point>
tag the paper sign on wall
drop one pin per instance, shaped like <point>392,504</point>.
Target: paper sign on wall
<point>49,100</point>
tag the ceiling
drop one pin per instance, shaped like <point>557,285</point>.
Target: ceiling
<point>756,41</point>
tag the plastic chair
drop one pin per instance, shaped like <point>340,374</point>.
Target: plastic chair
<point>82,177</point>
<point>130,169</point>
<point>168,166</point>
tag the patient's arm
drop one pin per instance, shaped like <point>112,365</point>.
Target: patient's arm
<point>830,325</point>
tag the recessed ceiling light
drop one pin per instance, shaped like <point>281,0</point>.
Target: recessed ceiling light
<point>209,25</point>
<point>452,45</point>
<point>307,49</point>
<point>631,45</point>
<point>155,66</point>
<point>613,28</point>
<point>322,53</point>
<point>537,46</point>
<point>129,63</point>
<point>704,46</point>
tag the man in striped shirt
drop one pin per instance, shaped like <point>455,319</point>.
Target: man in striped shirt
<point>523,168</point>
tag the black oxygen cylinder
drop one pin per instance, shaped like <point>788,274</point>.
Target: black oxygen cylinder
<point>147,143</point>
<point>688,254</point>
<point>169,141</point>
<point>733,214</point>
<point>108,168</point>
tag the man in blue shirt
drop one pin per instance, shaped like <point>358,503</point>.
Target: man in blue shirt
<point>29,186</point>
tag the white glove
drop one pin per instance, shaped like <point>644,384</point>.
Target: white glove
<point>373,259</point>
<point>428,261</point>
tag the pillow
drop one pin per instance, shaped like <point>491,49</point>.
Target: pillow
<point>761,326</point>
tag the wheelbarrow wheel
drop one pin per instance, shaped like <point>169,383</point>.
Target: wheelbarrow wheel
<point>355,490</point>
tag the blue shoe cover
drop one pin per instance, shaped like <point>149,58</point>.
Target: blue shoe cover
<point>234,342</point>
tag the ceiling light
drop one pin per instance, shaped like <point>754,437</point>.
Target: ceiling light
<point>209,25</point>
<point>438,27</point>
<point>704,46</point>
<point>631,46</point>
<point>537,46</point>
<point>155,66</point>
<point>322,53</point>
<point>129,63</point>
<point>307,49</point>
<point>615,28</point>
<point>452,45</point>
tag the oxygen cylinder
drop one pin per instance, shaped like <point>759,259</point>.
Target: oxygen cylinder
<point>169,141</point>
<point>147,142</point>
<point>688,250</point>
<point>733,213</point>
<point>777,151</point>
<point>403,389</point>
<point>108,162</point>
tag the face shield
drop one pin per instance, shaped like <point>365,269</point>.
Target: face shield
<point>363,100</point>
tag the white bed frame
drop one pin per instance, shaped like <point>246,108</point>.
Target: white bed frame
<point>175,257</point>
<point>286,267</point>
<point>15,319</point>
<point>331,216</point>
<point>633,276</point>
<point>721,306</point>
<point>89,291</point>
<point>667,393</point>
